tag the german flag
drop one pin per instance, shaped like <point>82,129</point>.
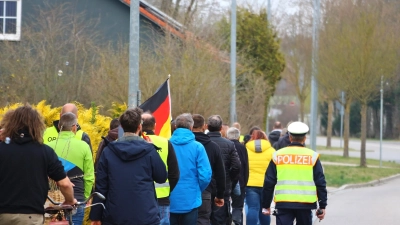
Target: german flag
<point>160,106</point>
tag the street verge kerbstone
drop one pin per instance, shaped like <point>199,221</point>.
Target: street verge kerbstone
<point>368,184</point>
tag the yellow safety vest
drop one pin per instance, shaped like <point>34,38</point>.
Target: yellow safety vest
<point>241,138</point>
<point>162,190</point>
<point>295,181</point>
<point>51,134</point>
<point>260,154</point>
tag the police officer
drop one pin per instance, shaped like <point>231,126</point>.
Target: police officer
<point>51,133</point>
<point>168,156</point>
<point>297,176</point>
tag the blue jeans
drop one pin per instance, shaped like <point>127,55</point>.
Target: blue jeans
<point>189,218</point>
<point>77,219</point>
<point>164,214</point>
<point>253,201</point>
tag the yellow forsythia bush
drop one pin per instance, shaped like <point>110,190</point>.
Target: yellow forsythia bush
<point>91,122</point>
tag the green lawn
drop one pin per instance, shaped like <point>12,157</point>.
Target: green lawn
<point>337,176</point>
<point>355,160</point>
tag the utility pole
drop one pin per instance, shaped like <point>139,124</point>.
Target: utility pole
<point>314,87</point>
<point>268,108</point>
<point>133,87</point>
<point>381,126</point>
<point>233,63</point>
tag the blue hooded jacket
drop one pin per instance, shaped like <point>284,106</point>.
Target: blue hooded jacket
<point>126,174</point>
<point>195,172</point>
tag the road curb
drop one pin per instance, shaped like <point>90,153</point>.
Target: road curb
<point>368,184</point>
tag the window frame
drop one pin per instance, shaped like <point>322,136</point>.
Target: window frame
<point>17,35</point>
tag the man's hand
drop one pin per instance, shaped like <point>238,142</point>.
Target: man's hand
<point>219,202</point>
<point>321,216</point>
<point>266,212</point>
<point>147,138</point>
<point>70,203</point>
<point>95,223</point>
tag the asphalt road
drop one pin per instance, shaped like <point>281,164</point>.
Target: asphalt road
<point>390,149</point>
<point>366,206</point>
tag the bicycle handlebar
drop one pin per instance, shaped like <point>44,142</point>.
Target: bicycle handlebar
<point>79,203</point>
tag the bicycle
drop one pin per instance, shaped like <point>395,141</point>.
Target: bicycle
<point>62,214</point>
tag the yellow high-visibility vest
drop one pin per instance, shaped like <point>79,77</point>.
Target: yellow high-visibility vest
<point>51,134</point>
<point>295,181</point>
<point>162,190</point>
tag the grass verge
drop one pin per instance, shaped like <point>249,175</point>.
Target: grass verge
<point>337,176</point>
<point>324,148</point>
<point>355,160</point>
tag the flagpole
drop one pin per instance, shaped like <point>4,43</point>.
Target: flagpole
<point>233,63</point>
<point>169,96</point>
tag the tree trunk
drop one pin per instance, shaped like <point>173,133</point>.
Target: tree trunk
<point>329,125</point>
<point>301,110</point>
<point>266,108</point>
<point>166,6</point>
<point>176,10</point>
<point>396,116</point>
<point>346,128</point>
<point>388,125</point>
<point>376,118</point>
<point>188,13</point>
<point>363,158</point>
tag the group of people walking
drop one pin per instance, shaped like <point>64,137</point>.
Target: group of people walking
<point>206,173</point>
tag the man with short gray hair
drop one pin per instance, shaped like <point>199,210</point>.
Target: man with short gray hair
<point>238,200</point>
<point>231,159</point>
<point>76,158</point>
<point>51,133</point>
<point>195,173</point>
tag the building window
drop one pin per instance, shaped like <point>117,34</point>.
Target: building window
<point>10,20</point>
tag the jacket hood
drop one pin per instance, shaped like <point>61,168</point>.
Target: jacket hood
<point>264,145</point>
<point>113,134</point>
<point>182,136</point>
<point>202,138</point>
<point>275,135</point>
<point>131,150</point>
<point>23,137</point>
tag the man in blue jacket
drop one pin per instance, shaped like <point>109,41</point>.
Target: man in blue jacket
<point>126,174</point>
<point>195,173</point>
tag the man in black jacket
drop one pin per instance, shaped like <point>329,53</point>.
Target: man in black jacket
<point>284,140</point>
<point>126,174</point>
<point>233,134</point>
<point>217,183</point>
<point>232,169</point>
<point>275,134</point>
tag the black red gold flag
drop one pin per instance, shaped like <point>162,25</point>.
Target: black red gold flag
<point>160,106</point>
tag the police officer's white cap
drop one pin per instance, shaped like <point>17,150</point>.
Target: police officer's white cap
<point>298,129</point>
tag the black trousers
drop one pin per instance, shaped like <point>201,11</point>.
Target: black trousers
<point>287,216</point>
<point>237,207</point>
<point>205,209</point>
<point>221,215</point>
